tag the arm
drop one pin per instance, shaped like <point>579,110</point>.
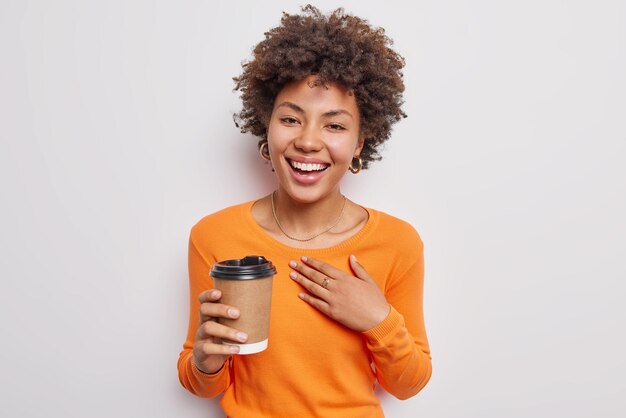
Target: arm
<point>399,344</point>
<point>392,323</point>
<point>197,382</point>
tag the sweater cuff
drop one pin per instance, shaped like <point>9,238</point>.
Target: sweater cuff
<point>385,328</point>
<point>206,377</point>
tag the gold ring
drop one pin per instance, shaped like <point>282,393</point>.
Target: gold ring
<point>325,283</point>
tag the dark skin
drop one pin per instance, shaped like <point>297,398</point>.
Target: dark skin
<point>208,352</point>
<point>324,126</point>
<point>353,300</point>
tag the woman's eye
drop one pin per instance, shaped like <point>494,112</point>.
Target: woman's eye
<point>336,127</point>
<point>289,120</point>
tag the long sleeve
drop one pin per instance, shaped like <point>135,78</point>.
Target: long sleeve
<point>197,382</point>
<point>399,345</point>
<point>319,380</point>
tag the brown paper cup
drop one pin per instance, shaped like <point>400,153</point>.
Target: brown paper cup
<point>246,284</point>
<point>253,298</point>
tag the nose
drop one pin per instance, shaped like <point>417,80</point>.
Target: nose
<point>309,140</point>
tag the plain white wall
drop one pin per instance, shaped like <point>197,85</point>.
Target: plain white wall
<point>117,137</point>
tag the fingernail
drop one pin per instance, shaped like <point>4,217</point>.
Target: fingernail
<point>292,264</point>
<point>293,275</point>
<point>233,313</point>
<point>353,257</point>
<point>304,258</point>
<point>234,349</point>
<point>241,336</point>
<point>215,294</point>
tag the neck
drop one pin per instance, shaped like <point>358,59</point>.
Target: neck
<point>303,219</point>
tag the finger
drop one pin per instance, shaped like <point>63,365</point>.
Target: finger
<point>211,310</point>
<point>210,295</point>
<point>318,289</point>
<point>318,304</point>
<point>359,271</point>
<point>325,268</point>
<point>308,272</point>
<point>209,349</point>
<point>212,329</point>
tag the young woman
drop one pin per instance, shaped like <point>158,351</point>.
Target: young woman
<point>321,93</point>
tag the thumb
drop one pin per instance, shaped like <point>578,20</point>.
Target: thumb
<point>358,269</point>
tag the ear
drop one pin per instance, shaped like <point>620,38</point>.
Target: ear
<point>359,145</point>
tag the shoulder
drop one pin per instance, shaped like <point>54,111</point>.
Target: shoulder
<point>395,228</point>
<point>220,221</point>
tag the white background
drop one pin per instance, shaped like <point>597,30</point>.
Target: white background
<point>117,136</point>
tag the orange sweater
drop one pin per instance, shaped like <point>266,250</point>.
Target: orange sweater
<point>314,366</point>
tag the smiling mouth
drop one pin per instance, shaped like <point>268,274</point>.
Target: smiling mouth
<point>304,168</point>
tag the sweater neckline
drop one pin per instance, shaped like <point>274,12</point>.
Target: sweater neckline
<point>373,217</point>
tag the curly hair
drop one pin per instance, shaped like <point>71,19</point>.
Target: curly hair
<point>338,48</point>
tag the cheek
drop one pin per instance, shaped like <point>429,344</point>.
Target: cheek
<point>276,139</point>
<point>342,152</point>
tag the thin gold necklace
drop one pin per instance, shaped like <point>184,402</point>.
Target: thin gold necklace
<point>314,236</point>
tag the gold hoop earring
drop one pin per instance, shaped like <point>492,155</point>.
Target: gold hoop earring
<point>355,170</point>
<point>264,150</point>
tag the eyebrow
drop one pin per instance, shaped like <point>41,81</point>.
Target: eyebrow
<point>330,113</point>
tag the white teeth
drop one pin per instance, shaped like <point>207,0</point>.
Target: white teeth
<point>308,167</point>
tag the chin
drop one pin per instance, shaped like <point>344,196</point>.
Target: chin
<point>303,196</point>
<point>306,194</point>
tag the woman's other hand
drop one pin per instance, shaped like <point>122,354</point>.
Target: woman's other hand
<point>354,301</point>
<point>209,354</point>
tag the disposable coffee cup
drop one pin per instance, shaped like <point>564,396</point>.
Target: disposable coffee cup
<point>246,284</point>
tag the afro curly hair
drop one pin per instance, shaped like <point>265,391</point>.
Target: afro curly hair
<point>338,48</point>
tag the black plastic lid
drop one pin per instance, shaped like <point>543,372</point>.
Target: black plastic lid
<point>249,267</point>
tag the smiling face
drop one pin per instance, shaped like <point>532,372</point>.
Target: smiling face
<point>313,134</point>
